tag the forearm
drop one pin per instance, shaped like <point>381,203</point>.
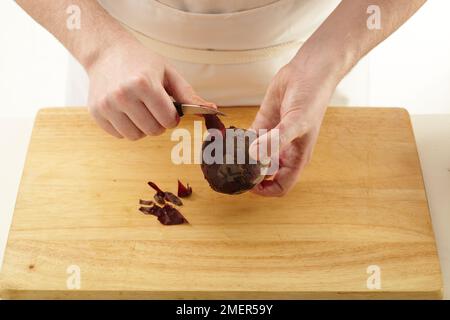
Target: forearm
<point>344,38</point>
<point>98,30</point>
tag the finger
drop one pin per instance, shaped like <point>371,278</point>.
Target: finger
<point>109,128</point>
<point>182,91</point>
<point>145,121</point>
<point>121,122</point>
<point>269,144</point>
<point>268,114</point>
<point>125,126</point>
<point>160,105</point>
<point>127,100</point>
<point>290,165</point>
<point>105,124</point>
<point>266,118</point>
<point>283,181</point>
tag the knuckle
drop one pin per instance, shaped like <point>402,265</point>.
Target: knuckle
<point>141,83</point>
<point>103,106</point>
<point>120,94</point>
<point>304,126</point>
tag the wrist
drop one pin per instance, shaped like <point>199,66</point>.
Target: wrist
<point>330,61</point>
<point>101,48</point>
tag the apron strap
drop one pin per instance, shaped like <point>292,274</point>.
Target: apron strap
<point>219,57</point>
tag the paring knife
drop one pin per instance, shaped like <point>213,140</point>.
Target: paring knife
<point>187,108</point>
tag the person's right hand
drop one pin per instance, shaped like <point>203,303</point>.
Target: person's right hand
<point>130,90</point>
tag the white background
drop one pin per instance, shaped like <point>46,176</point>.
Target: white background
<point>411,69</point>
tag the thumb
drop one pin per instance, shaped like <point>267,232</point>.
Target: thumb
<point>182,91</point>
<point>270,143</point>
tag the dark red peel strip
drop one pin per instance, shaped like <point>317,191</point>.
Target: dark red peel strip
<point>145,210</point>
<point>167,215</point>
<point>171,216</point>
<point>145,202</point>
<point>170,197</point>
<point>155,187</point>
<point>183,191</point>
<point>155,210</point>
<point>213,122</point>
<point>159,198</point>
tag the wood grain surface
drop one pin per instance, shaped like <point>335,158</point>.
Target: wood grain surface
<point>360,202</point>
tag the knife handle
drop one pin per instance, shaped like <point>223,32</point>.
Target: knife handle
<point>179,107</point>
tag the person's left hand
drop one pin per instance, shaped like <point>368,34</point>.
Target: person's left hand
<point>295,104</point>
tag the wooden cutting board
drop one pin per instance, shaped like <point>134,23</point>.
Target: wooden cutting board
<point>358,215</point>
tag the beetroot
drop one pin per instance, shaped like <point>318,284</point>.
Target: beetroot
<point>233,177</point>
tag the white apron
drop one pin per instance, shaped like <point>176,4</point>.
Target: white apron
<point>227,50</point>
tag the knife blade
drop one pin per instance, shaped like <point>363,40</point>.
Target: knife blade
<point>188,108</point>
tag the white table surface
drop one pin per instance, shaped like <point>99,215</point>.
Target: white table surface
<point>433,140</point>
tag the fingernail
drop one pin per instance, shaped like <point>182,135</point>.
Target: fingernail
<point>265,161</point>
